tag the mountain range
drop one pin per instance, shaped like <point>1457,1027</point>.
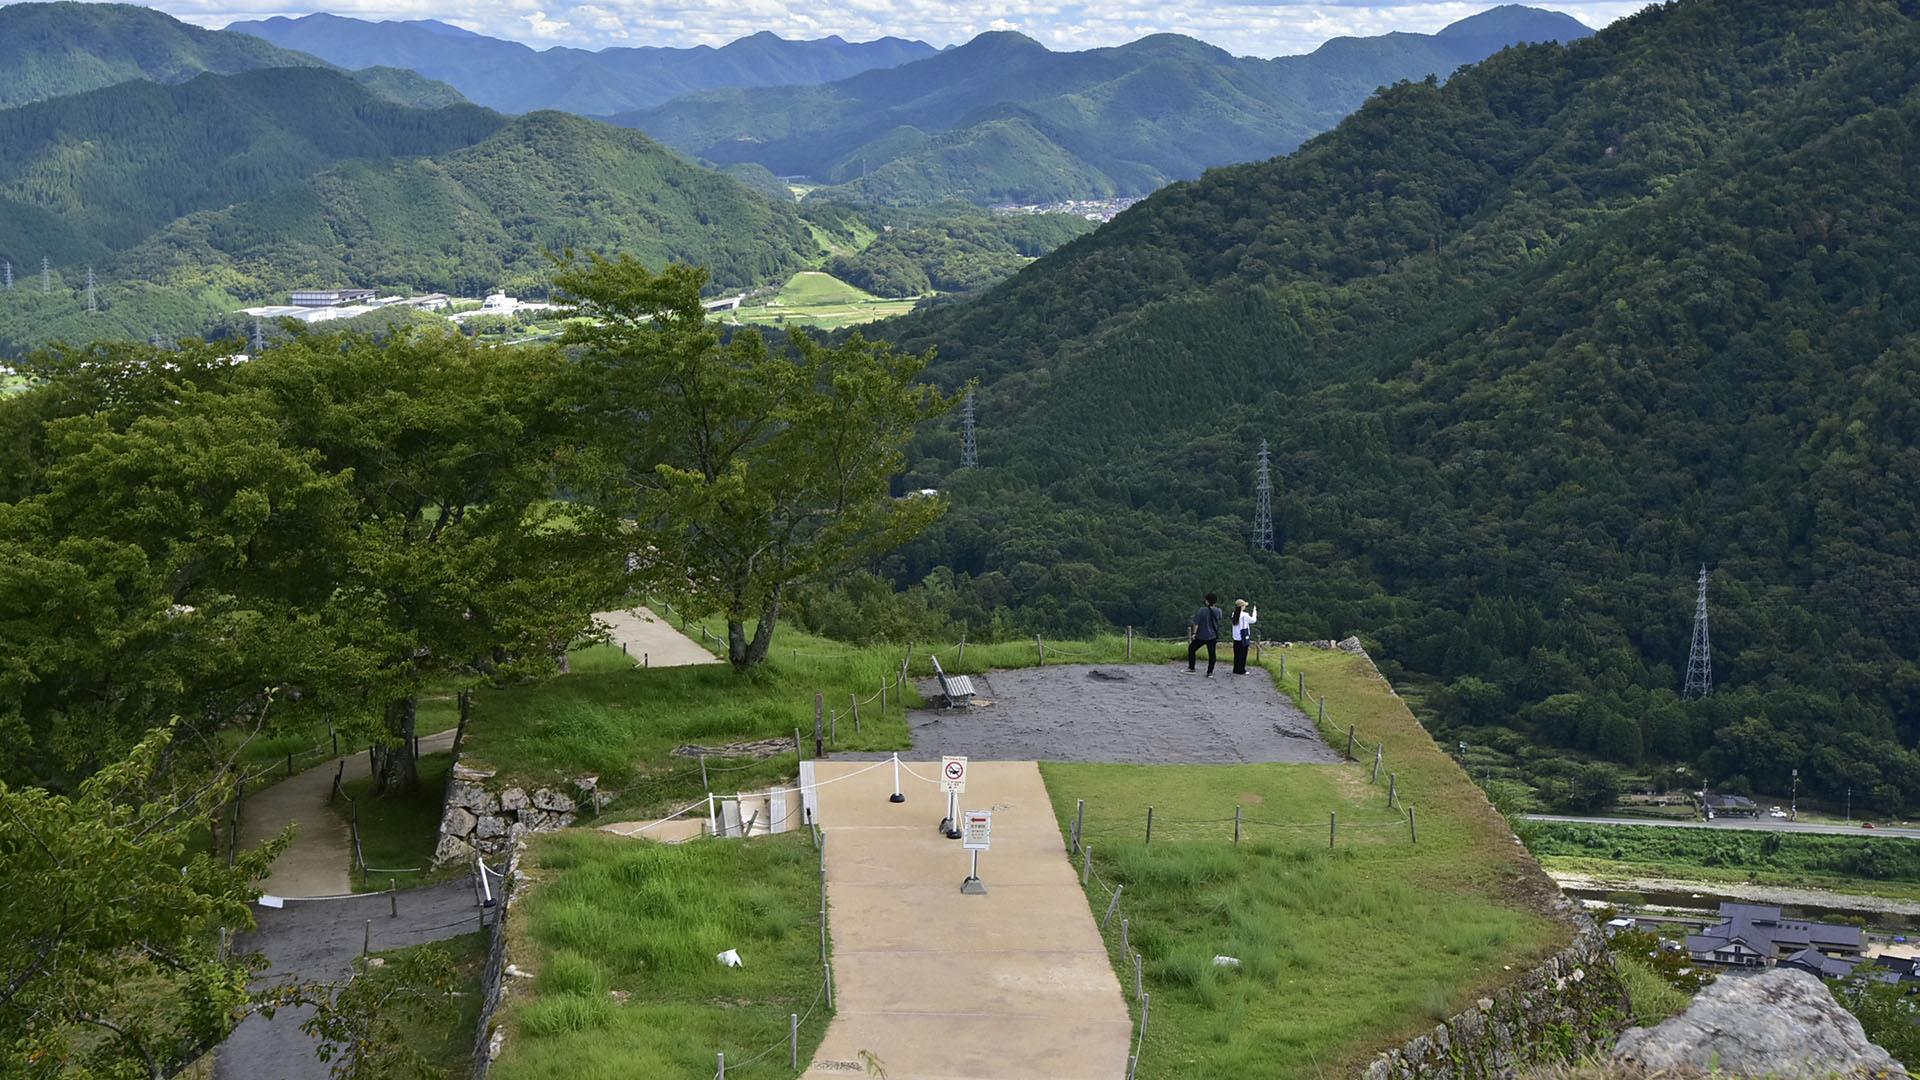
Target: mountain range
<point>513,77</point>
<point>1004,119</point>
<point>48,50</point>
<point>1528,349</point>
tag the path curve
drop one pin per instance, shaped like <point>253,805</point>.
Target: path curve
<point>319,862</point>
<point>652,640</point>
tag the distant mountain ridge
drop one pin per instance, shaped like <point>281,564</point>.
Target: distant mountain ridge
<point>48,50</point>
<point>1004,119</point>
<point>516,78</point>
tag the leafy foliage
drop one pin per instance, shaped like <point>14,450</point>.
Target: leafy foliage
<point>1530,347</point>
<point>953,254</point>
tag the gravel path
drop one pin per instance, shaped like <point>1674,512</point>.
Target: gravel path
<point>318,939</point>
<point>651,640</point>
<point>1148,714</point>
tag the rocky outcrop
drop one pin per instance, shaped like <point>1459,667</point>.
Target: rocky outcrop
<point>1781,1023</point>
<point>478,820</point>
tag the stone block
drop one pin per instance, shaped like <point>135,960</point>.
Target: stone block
<point>514,799</point>
<point>549,799</point>
<point>457,822</point>
<point>490,826</point>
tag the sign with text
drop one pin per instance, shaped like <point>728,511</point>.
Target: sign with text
<point>953,774</point>
<point>976,830</point>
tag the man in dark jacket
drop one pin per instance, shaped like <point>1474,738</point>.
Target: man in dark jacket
<point>1205,631</point>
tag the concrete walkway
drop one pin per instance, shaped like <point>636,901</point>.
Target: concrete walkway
<point>653,640</point>
<point>937,985</point>
<point>320,859</point>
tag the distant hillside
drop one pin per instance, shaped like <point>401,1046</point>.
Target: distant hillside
<point>1529,348</point>
<point>1004,119</point>
<point>50,50</point>
<point>47,50</point>
<point>89,174</point>
<point>466,221</point>
<point>512,77</point>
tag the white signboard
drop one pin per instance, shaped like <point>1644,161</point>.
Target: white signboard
<point>976,830</point>
<point>953,774</point>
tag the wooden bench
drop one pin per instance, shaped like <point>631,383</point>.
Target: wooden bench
<point>957,689</point>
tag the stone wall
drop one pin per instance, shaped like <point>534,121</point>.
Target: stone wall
<point>475,819</point>
<point>1571,1006</point>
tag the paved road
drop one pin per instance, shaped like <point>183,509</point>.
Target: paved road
<point>1011,985</point>
<point>1762,823</point>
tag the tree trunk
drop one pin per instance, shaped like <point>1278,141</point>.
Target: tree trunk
<point>395,771</point>
<point>763,633</point>
<point>737,644</point>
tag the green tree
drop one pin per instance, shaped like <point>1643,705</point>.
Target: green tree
<point>109,964</point>
<point>747,471</point>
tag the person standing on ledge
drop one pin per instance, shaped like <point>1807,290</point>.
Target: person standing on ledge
<point>1205,631</point>
<point>1244,616</point>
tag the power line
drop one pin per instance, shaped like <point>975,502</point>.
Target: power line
<point>1700,659</point>
<point>1263,502</point>
<point>969,452</point>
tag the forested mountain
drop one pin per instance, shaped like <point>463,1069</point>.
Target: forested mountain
<point>48,50</point>
<point>1529,347</point>
<point>464,221</point>
<point>512,77</point>
<point>1004,119</point>
<point>89,174</point>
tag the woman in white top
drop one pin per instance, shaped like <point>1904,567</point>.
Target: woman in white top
<point>1244,616</point>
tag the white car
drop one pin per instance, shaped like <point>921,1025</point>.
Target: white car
<point>1776,813</point>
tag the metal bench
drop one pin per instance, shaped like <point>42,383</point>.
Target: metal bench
<point>957,689</point>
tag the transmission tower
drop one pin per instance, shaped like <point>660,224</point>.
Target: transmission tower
<point>1263,502</point>
<point>91,305</point>
<point>1700,660</point>
<point>9,275</point>
<point>259,338</point>
<point>969,452</point>
<point>46,277</point>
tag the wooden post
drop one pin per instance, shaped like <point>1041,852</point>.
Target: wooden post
<point>796,745</point>
<point>289,764</point>
<point>1042,646</point>
<point>1079,818</point>
<point>1129,644</point>
<point>393,898</point>
<point>1283,663</point>
<point>1349,740</point>
<point>793,1040</point>
<point>1378,751</point>
<point>722,1075</point>
<point>1330,826</point>
<point>704,784</point>
<point>1117,890</point>
<point>366,943</point>
<point>1086,864</point>
<point>1149,824</point>
<point>1139,985</point>
<point>1236,824</point>
<point>1392,796</point>
<point>819,709</point>
<point>962,657</point>
<point>1303,688</point>
<point>1323,708</point>
<point>829,968</point>
<point>833,728</point>
<point>883,695</point>
<point>1413,831</point>
<point>1123,937</point>
<point>855,698</point>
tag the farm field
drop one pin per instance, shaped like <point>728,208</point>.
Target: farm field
<point>818,299</point>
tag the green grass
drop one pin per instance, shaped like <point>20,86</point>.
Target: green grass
<point>598,659</point>
<point>1343,952</point>
<point>609,917</point>
<point>451,1048</point>
<point>1865,864</point>
<point>1654,998</point>
<point>815,298</point>
<point>621,725</point>
<point>400,832</point>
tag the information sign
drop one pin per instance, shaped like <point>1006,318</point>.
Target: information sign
<point>976,830</point>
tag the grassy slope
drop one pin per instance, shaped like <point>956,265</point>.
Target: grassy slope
<point>1343,952</point>
<point>607,914</point>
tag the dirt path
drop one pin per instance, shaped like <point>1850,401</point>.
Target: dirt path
<point>937,985</point>
<point>653,641</point>
<point>318,939</point>
<point>1147,714</point>
<point>1733,890</point>
<point>319,861</point>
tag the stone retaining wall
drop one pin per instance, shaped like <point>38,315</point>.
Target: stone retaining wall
<point>1570,1006</point>
<point>474,819</point>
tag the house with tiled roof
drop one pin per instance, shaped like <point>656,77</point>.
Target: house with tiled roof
<point>1754,935</point>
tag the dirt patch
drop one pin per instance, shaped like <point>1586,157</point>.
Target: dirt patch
<point>1141,714</point>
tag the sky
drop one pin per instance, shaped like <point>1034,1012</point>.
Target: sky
<point>1272,28</point>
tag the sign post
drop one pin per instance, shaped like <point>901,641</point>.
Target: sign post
<point>953,781</point>
<point>976,837</point>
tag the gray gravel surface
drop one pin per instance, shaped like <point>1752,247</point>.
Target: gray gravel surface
<point>1149,714</point>
<point>318,939</point>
